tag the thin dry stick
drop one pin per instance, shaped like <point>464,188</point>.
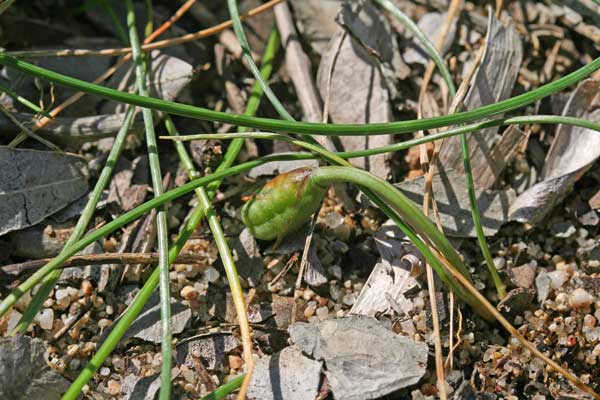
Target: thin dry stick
<point>147,46</point>
<point>450,356</point>
<point>513,331</point>
<point>499,6</point>
<point>453,10</point>
<point>98,259</point>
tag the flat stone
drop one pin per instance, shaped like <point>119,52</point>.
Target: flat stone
<point>522,276</point>
<point>363,358</point>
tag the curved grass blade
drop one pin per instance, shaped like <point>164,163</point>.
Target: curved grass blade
<point>307,127</point>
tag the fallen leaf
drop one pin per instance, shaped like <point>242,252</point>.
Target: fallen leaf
<point>24,373</point>
<point>287,375</point>
<point>358,92</point>
<point>316,21</point>
<point>36,184</point>
<point>494,81</point>
<point>391,279</point>
<point>363,359</point>
<point>573,151</point>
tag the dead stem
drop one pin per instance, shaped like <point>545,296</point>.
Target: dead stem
<point>99,259</point>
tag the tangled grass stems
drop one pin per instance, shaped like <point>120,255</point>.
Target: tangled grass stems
<point>472,128</point>
<point>310,143</point>
<point>195,218</point>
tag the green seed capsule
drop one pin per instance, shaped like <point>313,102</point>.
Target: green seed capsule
<point>283,205</point>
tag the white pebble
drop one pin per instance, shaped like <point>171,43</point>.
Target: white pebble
<point>104,371</point>
<point>63,300</point>
<point>211,274</point>
<point>557,278</point>
<point>499,263</point>
<point>580,298</point>
<point>46,318</point>
<point>322,313</point>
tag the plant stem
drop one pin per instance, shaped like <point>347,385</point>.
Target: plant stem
<point>222,391</point>
<point>33,107</point>
<point>196,217</point>
<point>429,47</point>
<point>307,127</point>
<point>237,292</point>
<point>161,215</point>
<point>82,224</point>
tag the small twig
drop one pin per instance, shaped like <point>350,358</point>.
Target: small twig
<point>451,333</point>
<point>99,259</point>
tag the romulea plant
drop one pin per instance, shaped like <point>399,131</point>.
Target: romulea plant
<point>280,197</point>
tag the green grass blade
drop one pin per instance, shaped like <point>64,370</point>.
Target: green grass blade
<point>162,230</point>
<point>429,47</point>
<point>307,127</point>
<point>224,390</point>
<point>33,107</point>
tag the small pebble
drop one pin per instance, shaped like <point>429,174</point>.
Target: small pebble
<point>114,387</point>
<point>309,312</point>
<point>189,293</point>
<point>322,301</point>
<point>103,323</point>
<point>104,371</point>
<point>322,313</point>
<point>87,288</point>
<point>348,284</point>
<point>580,298</point>
<point>109,310</point>
<point>589,321</point>
<point>349,299</point>
<point>308,294</point>
<point>63,300</point>
<point>557,278</point>
<point>499,263</point>
<point>45,319</point>
<point>211,274</point>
